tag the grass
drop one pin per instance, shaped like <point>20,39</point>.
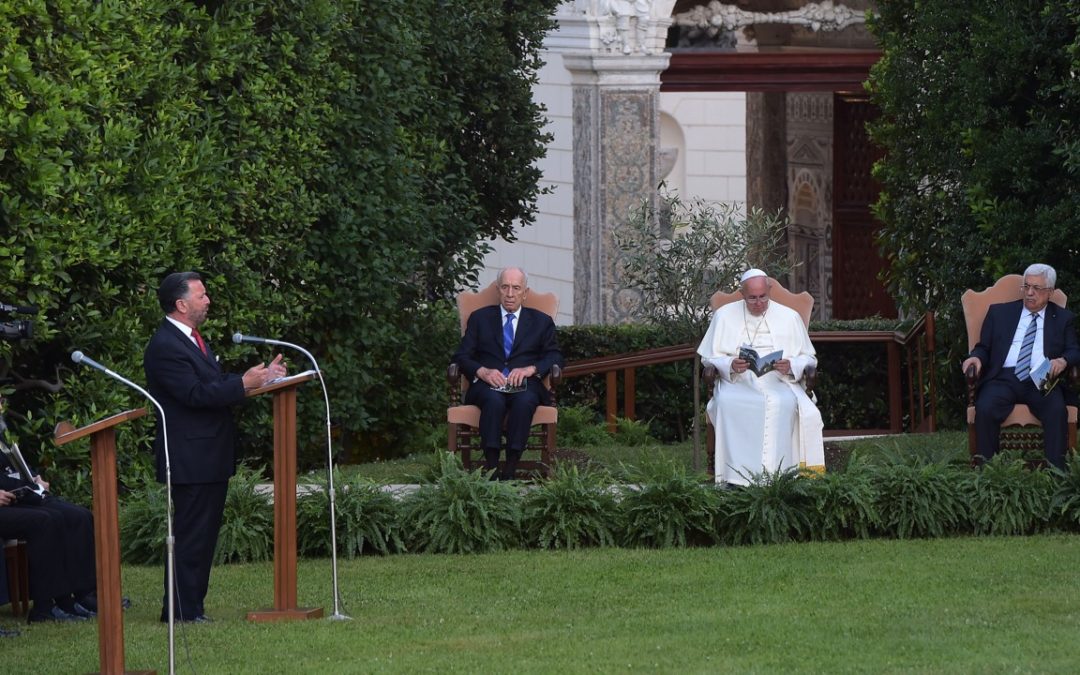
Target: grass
<point>948,605</point>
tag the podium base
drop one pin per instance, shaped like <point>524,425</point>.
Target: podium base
<point>298,614</point>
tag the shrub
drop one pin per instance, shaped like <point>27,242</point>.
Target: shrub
<point>665,505</point>
<point>1008,498</point>
<point>1065,502</point>
<point>580,426</point>
<point>328,166</point>
<point>571,510</point>
<point>461,512</point>
<point>921,499</point>
<point>774,508</point>
<point>143,522</point>
<point>844,503</point>
<point>632,433</point>
<point>367,519</point>
<point>678,257</point>
<point>247,525</point>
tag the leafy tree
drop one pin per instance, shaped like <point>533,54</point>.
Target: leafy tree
<point>678,256</point>
<point>332,167</point>
<point>976,181</point>
<point>979,103</point>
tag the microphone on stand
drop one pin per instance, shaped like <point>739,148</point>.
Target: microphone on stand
<point>170,540</point>
<point>240,338</point>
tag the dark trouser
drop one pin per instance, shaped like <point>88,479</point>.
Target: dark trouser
<point>995,401</point>
<point>197,511</point>
<point>43,532</point>
<point>497,409</point>
<point>80,569</point>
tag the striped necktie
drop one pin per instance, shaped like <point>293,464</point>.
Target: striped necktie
<point>1023,362</point>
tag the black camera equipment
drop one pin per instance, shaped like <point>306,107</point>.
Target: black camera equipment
<point>21,329</point>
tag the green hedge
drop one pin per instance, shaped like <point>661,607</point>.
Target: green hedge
<point>330,167</point>
<point>661,504</point>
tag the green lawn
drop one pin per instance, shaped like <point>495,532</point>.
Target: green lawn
<point>948,605</point>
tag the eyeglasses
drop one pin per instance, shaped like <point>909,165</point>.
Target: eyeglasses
<point>1032,287</point>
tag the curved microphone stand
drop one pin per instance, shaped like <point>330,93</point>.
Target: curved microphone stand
<point>170,540</point>
<point>239,338</point>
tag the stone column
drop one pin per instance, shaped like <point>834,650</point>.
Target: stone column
<point>616,164</point>
<point>614,50</point>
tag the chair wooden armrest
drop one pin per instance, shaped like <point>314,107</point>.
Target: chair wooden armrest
<point>809,379</point>
<point>453,378</point>
<point>972,380</point>
<point>709,374</point>
<point>553,380</point>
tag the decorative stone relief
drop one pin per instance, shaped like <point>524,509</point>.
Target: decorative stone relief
<point>626,26</point>
<point>809,167</point>
<point>817,16</point>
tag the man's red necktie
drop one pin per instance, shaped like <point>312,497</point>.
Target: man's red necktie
<point>199,341</point>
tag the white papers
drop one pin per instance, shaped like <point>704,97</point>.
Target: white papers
<point>1039,373</point>
<point>288,378</point>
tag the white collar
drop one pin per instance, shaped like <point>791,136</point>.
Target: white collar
<point>184,328</point>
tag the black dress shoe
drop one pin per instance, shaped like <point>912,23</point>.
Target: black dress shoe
<point>52,614</point>
<point>89,602</point>
<point>78,610</point>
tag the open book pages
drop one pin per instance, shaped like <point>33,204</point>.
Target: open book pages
<point>760,364</point>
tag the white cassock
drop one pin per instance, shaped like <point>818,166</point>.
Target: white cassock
<point>762,423</point>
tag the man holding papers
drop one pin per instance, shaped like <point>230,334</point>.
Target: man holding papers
<point>506,351</point>
<point>1019,340</point>
<point>766,422</point>
<point>184,376</point>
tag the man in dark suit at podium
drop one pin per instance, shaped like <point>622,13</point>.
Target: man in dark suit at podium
<point>507,347</point>
<point>183,374</point>
<point>1016,338</point>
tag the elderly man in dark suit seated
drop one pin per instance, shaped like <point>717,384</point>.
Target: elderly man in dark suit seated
<point>1017,337</point>
<point>506,352</point>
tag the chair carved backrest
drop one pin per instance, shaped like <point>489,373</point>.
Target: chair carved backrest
<point>977,303</point>
<point>470,301</point>
<point>803,303</point>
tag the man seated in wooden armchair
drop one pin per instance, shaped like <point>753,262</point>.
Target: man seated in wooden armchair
<point>505,353</point>
<point>1027,339</point>
<point>764,420</point>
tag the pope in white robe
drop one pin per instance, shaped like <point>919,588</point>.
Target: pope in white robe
<point>762,423</point>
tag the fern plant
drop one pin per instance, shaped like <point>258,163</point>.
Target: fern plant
<point>572,510</point>
<point>247,525</point>
<point>580,426</point>
<point>1065,502</point>
<point>921,499</point>
<point>665,505</point>
<point>774,508</point>
<point>143,522</point>
<point>461,512</point>
<point>844,503</point>
<point>367,519</point>
<point>1008,498</point>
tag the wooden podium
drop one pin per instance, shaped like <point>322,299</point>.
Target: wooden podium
<point>284,608</point>
<point>110,614</point>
